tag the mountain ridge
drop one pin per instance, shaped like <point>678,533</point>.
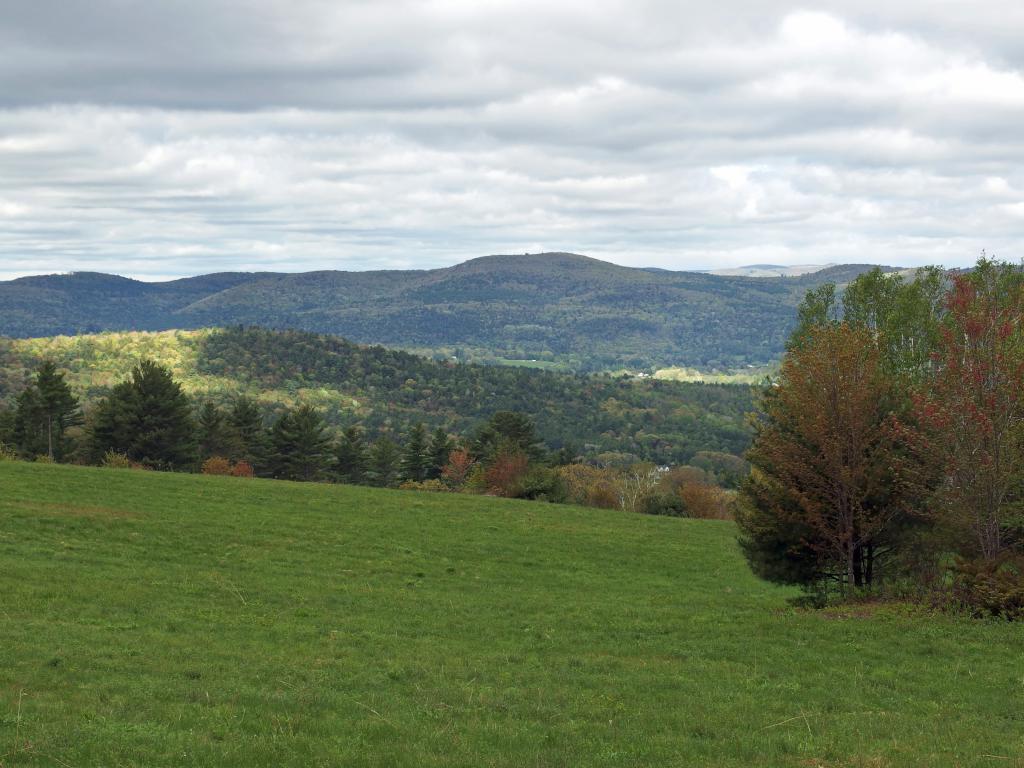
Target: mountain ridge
<point>557,307</point>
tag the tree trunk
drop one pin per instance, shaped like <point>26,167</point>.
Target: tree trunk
<point>858,567</point>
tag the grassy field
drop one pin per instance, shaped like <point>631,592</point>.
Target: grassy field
<point>173,620</point>
<point>754,375</point>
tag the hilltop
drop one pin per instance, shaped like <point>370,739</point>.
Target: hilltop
<point>552,308</point>
<point>159,619</point>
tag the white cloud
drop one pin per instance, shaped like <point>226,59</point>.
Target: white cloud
<point>153,140</point>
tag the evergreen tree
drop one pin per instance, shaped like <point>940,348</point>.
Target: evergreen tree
<point>44,412</point>
<point>246,421</point>
<point>415,460</point>
<point>6,427</point>
<point>148,418</point>
<point>438,451</point>
<point>300,446</point>
<point>507,430</point>
<point>351,460</point>
<point>215,434</point>
<point>383,463</point>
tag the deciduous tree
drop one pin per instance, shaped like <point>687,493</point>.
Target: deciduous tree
<point>970,414</point>
<point>826,485</point>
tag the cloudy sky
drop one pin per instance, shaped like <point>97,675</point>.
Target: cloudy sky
<point>158,139</point>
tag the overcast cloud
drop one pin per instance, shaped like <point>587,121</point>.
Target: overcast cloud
<point>158,139</point>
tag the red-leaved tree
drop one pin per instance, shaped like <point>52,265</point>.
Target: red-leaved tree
<point>970,414</point>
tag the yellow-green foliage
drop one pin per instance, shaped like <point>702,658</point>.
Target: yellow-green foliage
<point>752,375</point>
<point>96,362</point>
<point>387,391</point>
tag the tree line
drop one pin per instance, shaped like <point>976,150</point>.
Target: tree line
<point>387,392</point>
<point>888,455</point>
<point>148,422</point>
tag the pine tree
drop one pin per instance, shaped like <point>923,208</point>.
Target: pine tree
<point>300,446</point>
<point>507,430</point>
<point>44,413</point>
<point>148,418</point>
<point>414,457</point>
<point>383,463</point>
<point>351,460</point>
<point>6,427</point>
<point>247,422</point>
<point>215,434</point>
<point>438,452</point>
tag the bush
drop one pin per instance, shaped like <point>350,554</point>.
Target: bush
<point>662,504</point>
<point>505,474</point>
<point>7,453</point>
<point>541,484</point>
<point>707,502</point>
<point>243,469</point>
<point>116,460</point>
<point>990,587</point>
<point>217,465</point>
<point>590,486</point>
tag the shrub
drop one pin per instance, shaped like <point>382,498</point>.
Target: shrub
<point>590,486</point>
<point>7,453</point>
<point>677,477</point>
<point>116,460</point>
<point>217,465</point>
<point>43,459</point>
<point>707,502</point>
<point>243,469</point>
<point>541,484</point>
<point>662,504</point>
<point>992,587</point>
<point>505,473</point>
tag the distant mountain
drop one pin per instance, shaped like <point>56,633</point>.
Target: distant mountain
<point>553,307</point>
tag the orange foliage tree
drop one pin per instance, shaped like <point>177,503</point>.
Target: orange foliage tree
<point>456,471</point>
<point>506,472</point>
<point>824,453</point>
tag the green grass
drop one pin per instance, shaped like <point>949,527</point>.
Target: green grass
<point>173,620</point>
<point>545,365</point>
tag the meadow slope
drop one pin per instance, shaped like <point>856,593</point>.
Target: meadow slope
<point>159,620</point>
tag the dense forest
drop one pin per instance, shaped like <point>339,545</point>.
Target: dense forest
<point>147,421</point>
<point>385,392</point>
<point>543,309</point>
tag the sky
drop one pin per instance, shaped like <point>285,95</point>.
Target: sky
<point>158,139</point>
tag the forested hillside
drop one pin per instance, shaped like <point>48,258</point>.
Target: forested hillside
<point>386,391</point>
<point>564,309</point>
